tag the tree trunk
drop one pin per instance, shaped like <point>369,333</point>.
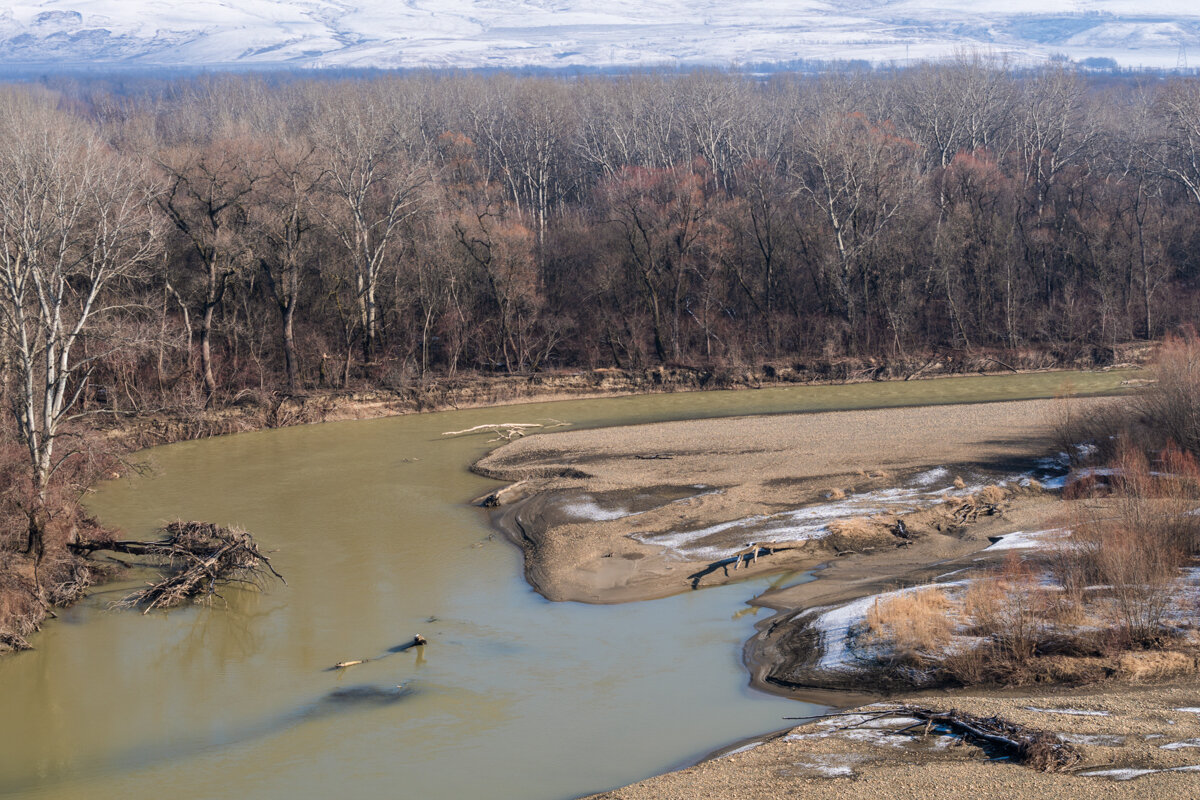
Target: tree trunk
<point>289,345</point>
<point>206,370</point>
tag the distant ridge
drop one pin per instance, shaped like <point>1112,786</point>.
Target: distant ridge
<point>563,33</point>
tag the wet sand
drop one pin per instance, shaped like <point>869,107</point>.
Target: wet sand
<point>600,513</point>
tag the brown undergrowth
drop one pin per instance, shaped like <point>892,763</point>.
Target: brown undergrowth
<point>1118,596</point>
<point>1114,598</point>
<point>33,582</point>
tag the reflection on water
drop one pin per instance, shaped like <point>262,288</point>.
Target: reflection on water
<point>512,697</point>
<point>337,701</point>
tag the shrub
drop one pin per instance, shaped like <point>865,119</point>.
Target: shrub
<point>1132,547</point>
<point>912,627</point>
<point>1009,610</point>
<point>1170,406</point>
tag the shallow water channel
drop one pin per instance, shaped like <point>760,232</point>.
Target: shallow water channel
<point>513,697</point>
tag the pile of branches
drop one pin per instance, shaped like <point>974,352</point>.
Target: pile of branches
<point>197,558</point>
<point>1037,749</point>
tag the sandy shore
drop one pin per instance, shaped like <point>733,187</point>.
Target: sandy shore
<point>632,513</point>
<point>1137,742</point>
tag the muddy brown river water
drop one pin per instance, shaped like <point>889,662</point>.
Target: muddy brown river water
<point>513,697</point>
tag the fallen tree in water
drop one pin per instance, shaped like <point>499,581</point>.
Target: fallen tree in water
<point>196,558</point>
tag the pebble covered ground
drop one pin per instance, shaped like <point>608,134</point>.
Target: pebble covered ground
<point>1137,741</point>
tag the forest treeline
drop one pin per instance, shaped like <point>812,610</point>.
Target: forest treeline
<point>319,233</point>
<point>180,244</point>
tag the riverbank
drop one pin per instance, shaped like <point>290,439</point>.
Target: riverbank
<point>634,513</point>
<point>109,437</point>
<point>258,410</point>
<point>1135,741</point>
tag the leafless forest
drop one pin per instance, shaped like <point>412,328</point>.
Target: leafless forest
<point>193,243</point>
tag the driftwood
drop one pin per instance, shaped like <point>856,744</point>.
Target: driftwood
<point>970,511</point>
<point>750,554</point>
<point>416,641</point>
<point>14,642</point>
<point>197,557</point>
<point>1037,749</point>
<point>507,431</point>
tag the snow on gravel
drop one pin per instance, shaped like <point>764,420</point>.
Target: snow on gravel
<point>588,509</point>
<point>1028,540</point>
<point>743,749</point>
<point>836,625</point>
<point>810,522</point>
<point>1186,743</point>
<point>1093,739</point>
<point>1129,774</point>
<point>1073,712</point>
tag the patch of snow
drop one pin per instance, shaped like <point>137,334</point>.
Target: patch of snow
<point>1181,745</point>
<point>1129,774</point>
<point>1059,482</point>
<point>1072,712</point>
<point>1119,774</point>
<point>826,770</point>
<point>743,749</point>
<point>1189,710</point>
<point>952,572</point>
<point>931,477</point>
<point>1026,540</point>
<point>1094,739</point>
<point>586,508</point>
<point>879,738</point>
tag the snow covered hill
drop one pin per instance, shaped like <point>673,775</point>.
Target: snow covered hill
<point>512,33</point>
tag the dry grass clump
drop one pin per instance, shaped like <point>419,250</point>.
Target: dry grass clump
<point>959,483</point>
<point>915,627</point>
<point>857,533</point>
<point>990,495</point>
<point>1154,666</point>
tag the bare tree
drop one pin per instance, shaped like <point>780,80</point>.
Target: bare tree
<point>284,222</point>
<point>373,180</point>
<point>207,196</point>
<point>857,176</point>
<point>663,216</point>
<point>74,225</point>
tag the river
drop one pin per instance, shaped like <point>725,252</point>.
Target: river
<point>513,697</point>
